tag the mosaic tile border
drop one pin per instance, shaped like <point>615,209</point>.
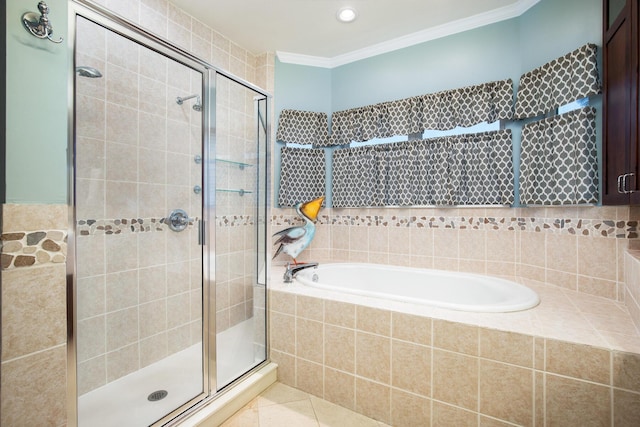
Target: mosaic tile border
<point>92,227</point>
<point>572,226</point>
<point>29,248</point>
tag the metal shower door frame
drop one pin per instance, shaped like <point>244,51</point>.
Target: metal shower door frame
<point>97,14</point>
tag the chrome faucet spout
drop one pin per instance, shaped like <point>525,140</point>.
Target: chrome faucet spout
<point>292,270</point>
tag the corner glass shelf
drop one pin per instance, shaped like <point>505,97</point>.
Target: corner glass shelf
<point>240,191</point>
<point>240,165</point>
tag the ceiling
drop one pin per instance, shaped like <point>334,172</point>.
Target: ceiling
<point>308,29</point>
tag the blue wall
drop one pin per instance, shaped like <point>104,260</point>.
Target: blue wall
<point>502,50</point>
<point>36,102</point>
<point>304,88</point>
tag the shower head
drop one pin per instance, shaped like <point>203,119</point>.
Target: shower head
<point>90,72</point>
<point>197,106</point>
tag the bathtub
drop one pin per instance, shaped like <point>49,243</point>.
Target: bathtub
<point>436,288</point>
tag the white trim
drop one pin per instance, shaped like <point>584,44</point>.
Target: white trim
<point>454,27</point>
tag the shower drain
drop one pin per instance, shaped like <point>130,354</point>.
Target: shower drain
<point>157,395</point>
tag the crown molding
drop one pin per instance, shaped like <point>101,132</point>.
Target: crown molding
<point>450,28</point>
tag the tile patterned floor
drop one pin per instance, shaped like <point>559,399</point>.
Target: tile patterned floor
<point>284,406</point>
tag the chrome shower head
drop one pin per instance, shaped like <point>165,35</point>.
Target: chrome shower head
<point>90,72</point>
<point>197,106</point>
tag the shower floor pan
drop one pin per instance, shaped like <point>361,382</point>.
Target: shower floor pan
<point>125,402</point>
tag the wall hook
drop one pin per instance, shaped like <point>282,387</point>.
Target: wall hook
<point>39,26</point>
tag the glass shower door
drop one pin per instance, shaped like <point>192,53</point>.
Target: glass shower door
<point>239,165</point>
<point>138,210</point>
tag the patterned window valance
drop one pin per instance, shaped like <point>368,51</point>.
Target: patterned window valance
<point>471,169</point>
<point>558,164</point>
<point>303,127</point>
<point>559,82</point>
<point>445,110</point>
<point>302,175</point>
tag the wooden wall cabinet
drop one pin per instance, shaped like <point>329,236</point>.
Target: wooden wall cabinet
<point>621,139</point>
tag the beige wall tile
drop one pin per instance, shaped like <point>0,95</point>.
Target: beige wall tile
<point>533,249</point>
<point>597,258</point>
<point>373,400</point>
<point>152,318</point>
<point>407,327</point>
<point>309,340</point>
<point>626,408</point>
<point>34,217</point>
<point>286,366</point>
<point>282,332</point>
<point>359,239</point>
<point>339,348</point>
<point>408,410</point>
<point>599,287</point>
<point>33,309</point>
<point>562,253</point>
<point>46,370</point>
<point>411,367</point>
<point>445,243</point>
<point>472,244</point>
<point>505,269</point>
<point>455,379</point>
<point>455,337</point>
<point>373,320</point>
<point>310,308</point>
<point>400,241</point>
<point>122,325</point>
<point>491,422</point>
<point>506,392</point>
<point>451,415</point>
<point>373,357</point>
<point>576,403</point>
<point>122,362</point>
<point>92,374</point>
<point>578,361</point>
<point>339,388</point>
<point>339,314</point>
<point>626,370</point>
<point>506,347</point>
<point>282,302</point>
<point>422,242</point>
<point>309,377</point>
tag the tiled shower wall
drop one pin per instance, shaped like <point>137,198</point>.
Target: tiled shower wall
<point>236,203</point>
<point>33,276</point>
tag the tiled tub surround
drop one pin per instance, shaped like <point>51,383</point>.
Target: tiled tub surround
<point>34,333</point>
<point>632,272</point>
<point>577,248</point>
<point>574,360</point>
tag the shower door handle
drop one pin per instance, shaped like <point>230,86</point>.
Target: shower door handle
<point>178,220</point>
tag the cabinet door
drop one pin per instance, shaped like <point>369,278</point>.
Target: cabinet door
<point>634,116</point>
<point>618,88</point>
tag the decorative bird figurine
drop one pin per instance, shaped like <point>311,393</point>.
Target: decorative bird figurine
<point>294,240</point>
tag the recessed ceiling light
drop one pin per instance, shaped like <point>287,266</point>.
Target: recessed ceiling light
<point>347,14</point>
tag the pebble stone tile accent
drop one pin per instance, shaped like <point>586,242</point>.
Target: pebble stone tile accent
<point>574,226</point>
<point>25,249</point>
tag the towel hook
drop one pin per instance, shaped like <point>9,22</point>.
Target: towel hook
<point>39,26</point>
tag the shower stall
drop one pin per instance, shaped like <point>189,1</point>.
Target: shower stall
<point>167,288</point>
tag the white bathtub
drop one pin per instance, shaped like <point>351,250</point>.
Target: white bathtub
<point>437,288</point>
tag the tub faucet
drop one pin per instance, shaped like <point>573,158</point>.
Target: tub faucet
<point>292,270</point>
